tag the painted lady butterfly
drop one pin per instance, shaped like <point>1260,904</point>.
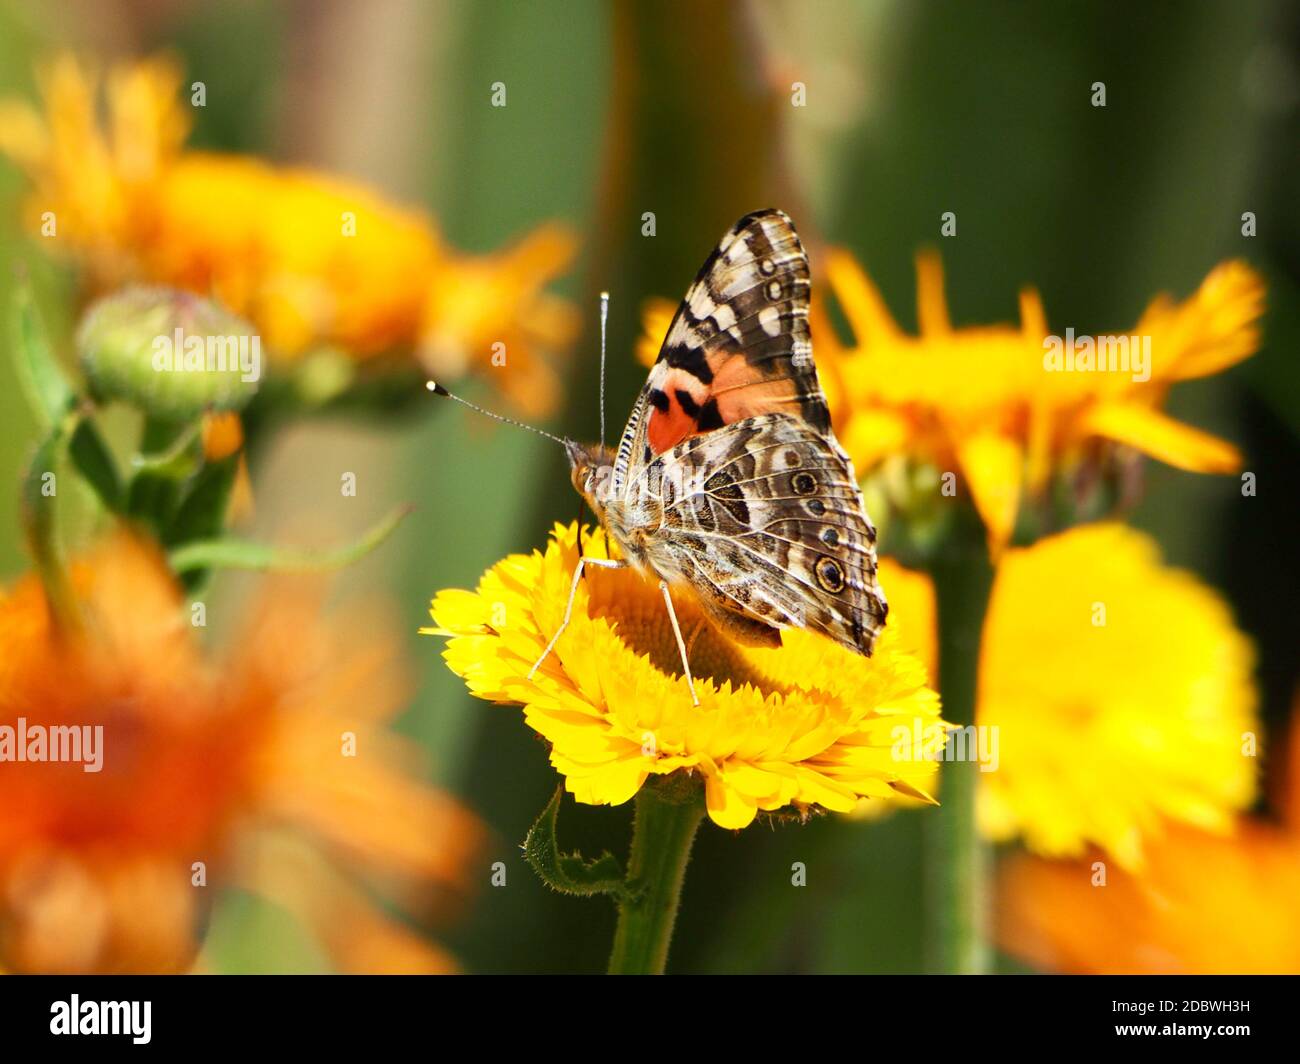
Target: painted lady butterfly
<point>728,479</point>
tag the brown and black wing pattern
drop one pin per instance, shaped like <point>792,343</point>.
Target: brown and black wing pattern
<point>765,521</point>
<point>738,347</point>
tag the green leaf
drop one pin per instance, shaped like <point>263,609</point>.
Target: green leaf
<point>93,460</point>
<point>45,387</point>
<point>201,514</point>
<point>569,873</point>
<point>229,553</point>
<point>39,496</point>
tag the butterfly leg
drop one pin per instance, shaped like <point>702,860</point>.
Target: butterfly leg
<point>696,632</point>
<point>681,646</point>
<point>603,563</point>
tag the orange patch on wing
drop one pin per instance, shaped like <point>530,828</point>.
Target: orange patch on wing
<point>667,428</point>
<point>742,392</point>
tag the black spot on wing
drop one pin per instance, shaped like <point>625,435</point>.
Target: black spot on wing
<point>692,360</point>
<point>709,417</point>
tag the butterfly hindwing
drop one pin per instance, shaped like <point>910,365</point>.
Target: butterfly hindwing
<point>765,520</point>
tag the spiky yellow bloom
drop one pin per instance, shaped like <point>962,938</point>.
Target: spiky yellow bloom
<point>808,724</point>
<point>1120,689</point>
<point>1203,904</point>
<point>313,260</point>
<point>1003,405</point>
<point>209,771</point>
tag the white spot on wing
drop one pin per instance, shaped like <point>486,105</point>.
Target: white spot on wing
<point>701,304</point>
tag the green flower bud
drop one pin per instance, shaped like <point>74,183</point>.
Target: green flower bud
<point>171,353</point>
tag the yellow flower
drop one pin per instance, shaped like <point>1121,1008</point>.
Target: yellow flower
<point>993,403</point>
<point>1122,692</point>
<point>1120,689</point>
<point>313,260</point>
<point>1203,904</point>
<point>206,767</point>
<point>808,724</point>
<point>656,318</point>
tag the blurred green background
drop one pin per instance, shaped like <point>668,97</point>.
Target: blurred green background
<point>913,109</point>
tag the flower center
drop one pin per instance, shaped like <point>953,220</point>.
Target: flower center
<point>637,608</point>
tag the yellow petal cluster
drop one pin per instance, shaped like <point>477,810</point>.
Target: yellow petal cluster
<point>990,402</point>
<point>1120,689</point>
<point>807,724</point>
<point>1122,693</point>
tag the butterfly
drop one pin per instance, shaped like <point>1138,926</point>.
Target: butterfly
<point>728,480</point>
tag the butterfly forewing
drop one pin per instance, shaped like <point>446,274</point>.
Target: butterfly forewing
<point>737,347</point>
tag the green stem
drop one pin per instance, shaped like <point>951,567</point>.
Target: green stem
<point>956,859</point>
<point>662,835</point>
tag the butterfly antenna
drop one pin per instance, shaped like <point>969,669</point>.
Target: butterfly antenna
<point>438,389</point>
<point>604,317</point>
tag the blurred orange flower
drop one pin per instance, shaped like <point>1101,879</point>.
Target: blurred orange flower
<point>314,261</point>
<point>992,403</point>
<point>1204,904</point>
<point>200,763</point>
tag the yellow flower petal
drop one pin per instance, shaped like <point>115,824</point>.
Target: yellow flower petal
<point>931,303</point>
<point>992,464</point>
<point>1213,330</point>
<point>656,317</point>
<point>1162,437</point>
<point>860,299</point>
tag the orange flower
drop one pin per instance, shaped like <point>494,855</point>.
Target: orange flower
<point>996,404</point>
<point>111,866</point>
<point>314,261</point>
<point>1203,904</point>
